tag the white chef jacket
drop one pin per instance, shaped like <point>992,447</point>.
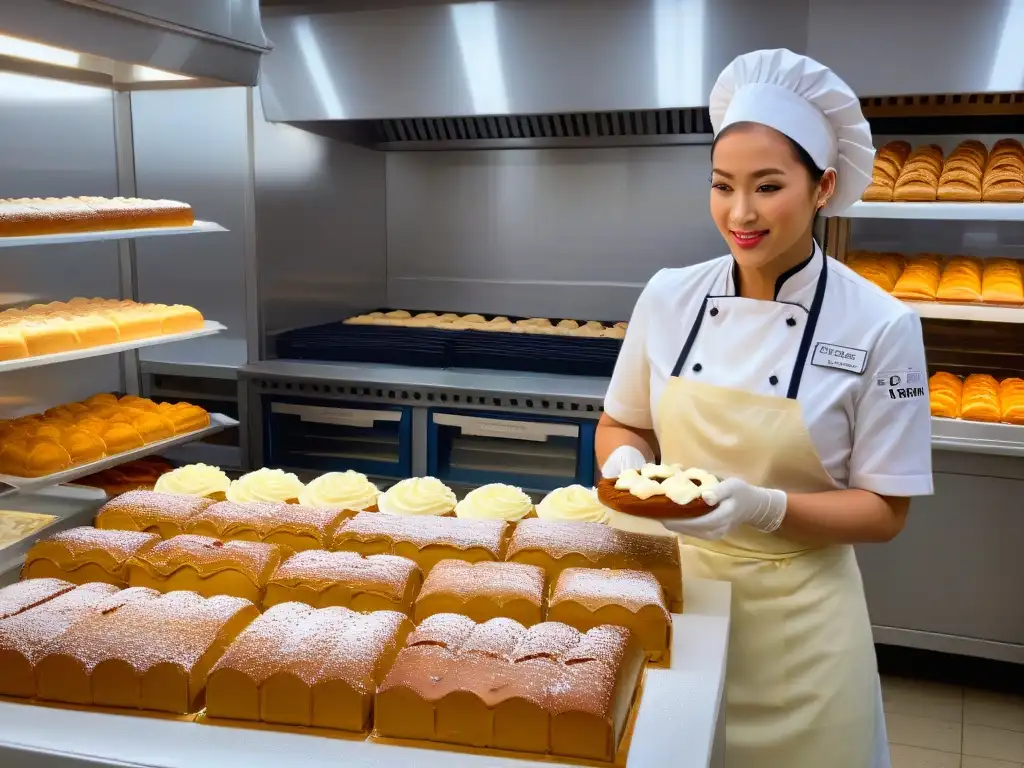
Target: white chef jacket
<point>863,392</point>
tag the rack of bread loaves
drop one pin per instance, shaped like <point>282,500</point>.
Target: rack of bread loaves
<point>265,601</point>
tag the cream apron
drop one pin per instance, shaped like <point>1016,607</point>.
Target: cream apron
<point>802,686</point>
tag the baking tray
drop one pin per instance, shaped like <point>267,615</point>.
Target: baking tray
<point>10,484</point>
<point>209,329</point>
<point>197,227</point>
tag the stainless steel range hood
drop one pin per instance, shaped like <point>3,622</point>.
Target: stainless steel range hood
<point>217,40</point>
<point>424,59</point>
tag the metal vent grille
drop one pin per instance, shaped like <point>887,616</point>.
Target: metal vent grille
<point>946,104</point>
<point>427,396</point>
<point>590,125</point>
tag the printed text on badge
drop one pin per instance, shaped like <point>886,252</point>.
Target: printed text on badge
<point>844,358</point>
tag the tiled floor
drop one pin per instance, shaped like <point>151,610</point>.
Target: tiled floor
<point>932,725</point>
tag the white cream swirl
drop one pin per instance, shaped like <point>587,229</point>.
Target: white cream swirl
<point>418,496</point>
<point>349,490</point>
<point>496,501</point>
<point>194,480</point>
<point>265,485</point>
<point>573,504</point>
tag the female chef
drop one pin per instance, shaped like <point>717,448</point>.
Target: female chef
<point>805,386</point>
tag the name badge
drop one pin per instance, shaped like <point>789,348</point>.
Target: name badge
<point>842,358</point>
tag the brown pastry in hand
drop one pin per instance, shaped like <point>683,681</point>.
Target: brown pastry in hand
<point>657,491</point>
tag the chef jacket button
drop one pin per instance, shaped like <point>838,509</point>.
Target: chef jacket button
<point>697,367</point>
<point>790,322</point>
<point>773,380</point>
<point>714,311</point>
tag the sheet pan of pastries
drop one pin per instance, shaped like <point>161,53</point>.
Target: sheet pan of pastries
<point>971,173</point>
<point>931,277</point>
<point>80,433</point>
<point>47,329</point>
<point>499,324</point>
<point>979,397</point>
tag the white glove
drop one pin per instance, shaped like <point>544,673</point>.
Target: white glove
<point>738,503</point>
<point>624,457</point>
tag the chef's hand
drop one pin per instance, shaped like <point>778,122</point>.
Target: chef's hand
<point>622,458</point>
<point>737,503</point>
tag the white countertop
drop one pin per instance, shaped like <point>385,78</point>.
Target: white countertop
<point>676,723</point>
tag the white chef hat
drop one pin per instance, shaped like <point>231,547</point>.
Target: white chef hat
<point>807,102</point>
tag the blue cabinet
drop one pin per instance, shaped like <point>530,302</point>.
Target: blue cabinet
<point>534,453</point>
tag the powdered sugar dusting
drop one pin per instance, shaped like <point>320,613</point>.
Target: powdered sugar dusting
<point>29,631</point>
<point>28,594</point>
<point>85,543</point>
<point>256,560</point>
<point>266,518</point>
<point>316,645</point>
<point>147,508</point>
<point>593,588</point>
<point>319,569</point>
<point>174,628</point>
<point>551,665</point>
<point>593,541</point>
<point>502,582</point>
<point>423,531</point>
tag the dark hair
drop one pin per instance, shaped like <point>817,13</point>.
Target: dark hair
<point>802,155</point>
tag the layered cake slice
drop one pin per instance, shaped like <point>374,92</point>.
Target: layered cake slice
<point>297,665</point>
<point>548,689</point>
<point>347,579</point>
<point>164,514</point>
<point>425,539</point>
<point>83,555</point>
<point>585,598</point>
<point>482,591</point>
<point>207,566</point>
<point>290,525</point>
<point>557,546</point>
<point>151,651</point>
<point>24,634</point>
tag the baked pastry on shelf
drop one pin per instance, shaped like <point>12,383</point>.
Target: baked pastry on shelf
<point>919,177</point>
<point>1011,400</point>
<point>658,490</point>
<point>347,579</point>
<point>291,526</point>
<point>195,480</point>
<point>1004,173</point>
<point>499,324</point>
<point>418,497</point>
<point>302,666</point>
<point>980,400</point>
<point>83,555</point>
<point>558,546</point>
<point>207,566</point>
<point>1001,282</point>
<point>426,540</point>
<point>350,491</point>
<point>882,269</point>
<point>889,161</point>
<point>483,591</point>
<point>585,598</point>
<point>142,650</point>
<point>561,692</point>
<point>266,485</point>
<point>945,392</point>
<point>920,278</point>
<point>961,280</point>
<point>22,216</point>
<point>962,172</point>
<point>165,514</point>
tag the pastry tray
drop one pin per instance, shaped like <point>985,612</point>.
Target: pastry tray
<point>984,313</point>
<point>677,722</point>
<point>110,234</point>
<point>10,484</point>
<point>433,348</point>
<point>977,437</point>
<point>944,211</point>
<point>209,329</point>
